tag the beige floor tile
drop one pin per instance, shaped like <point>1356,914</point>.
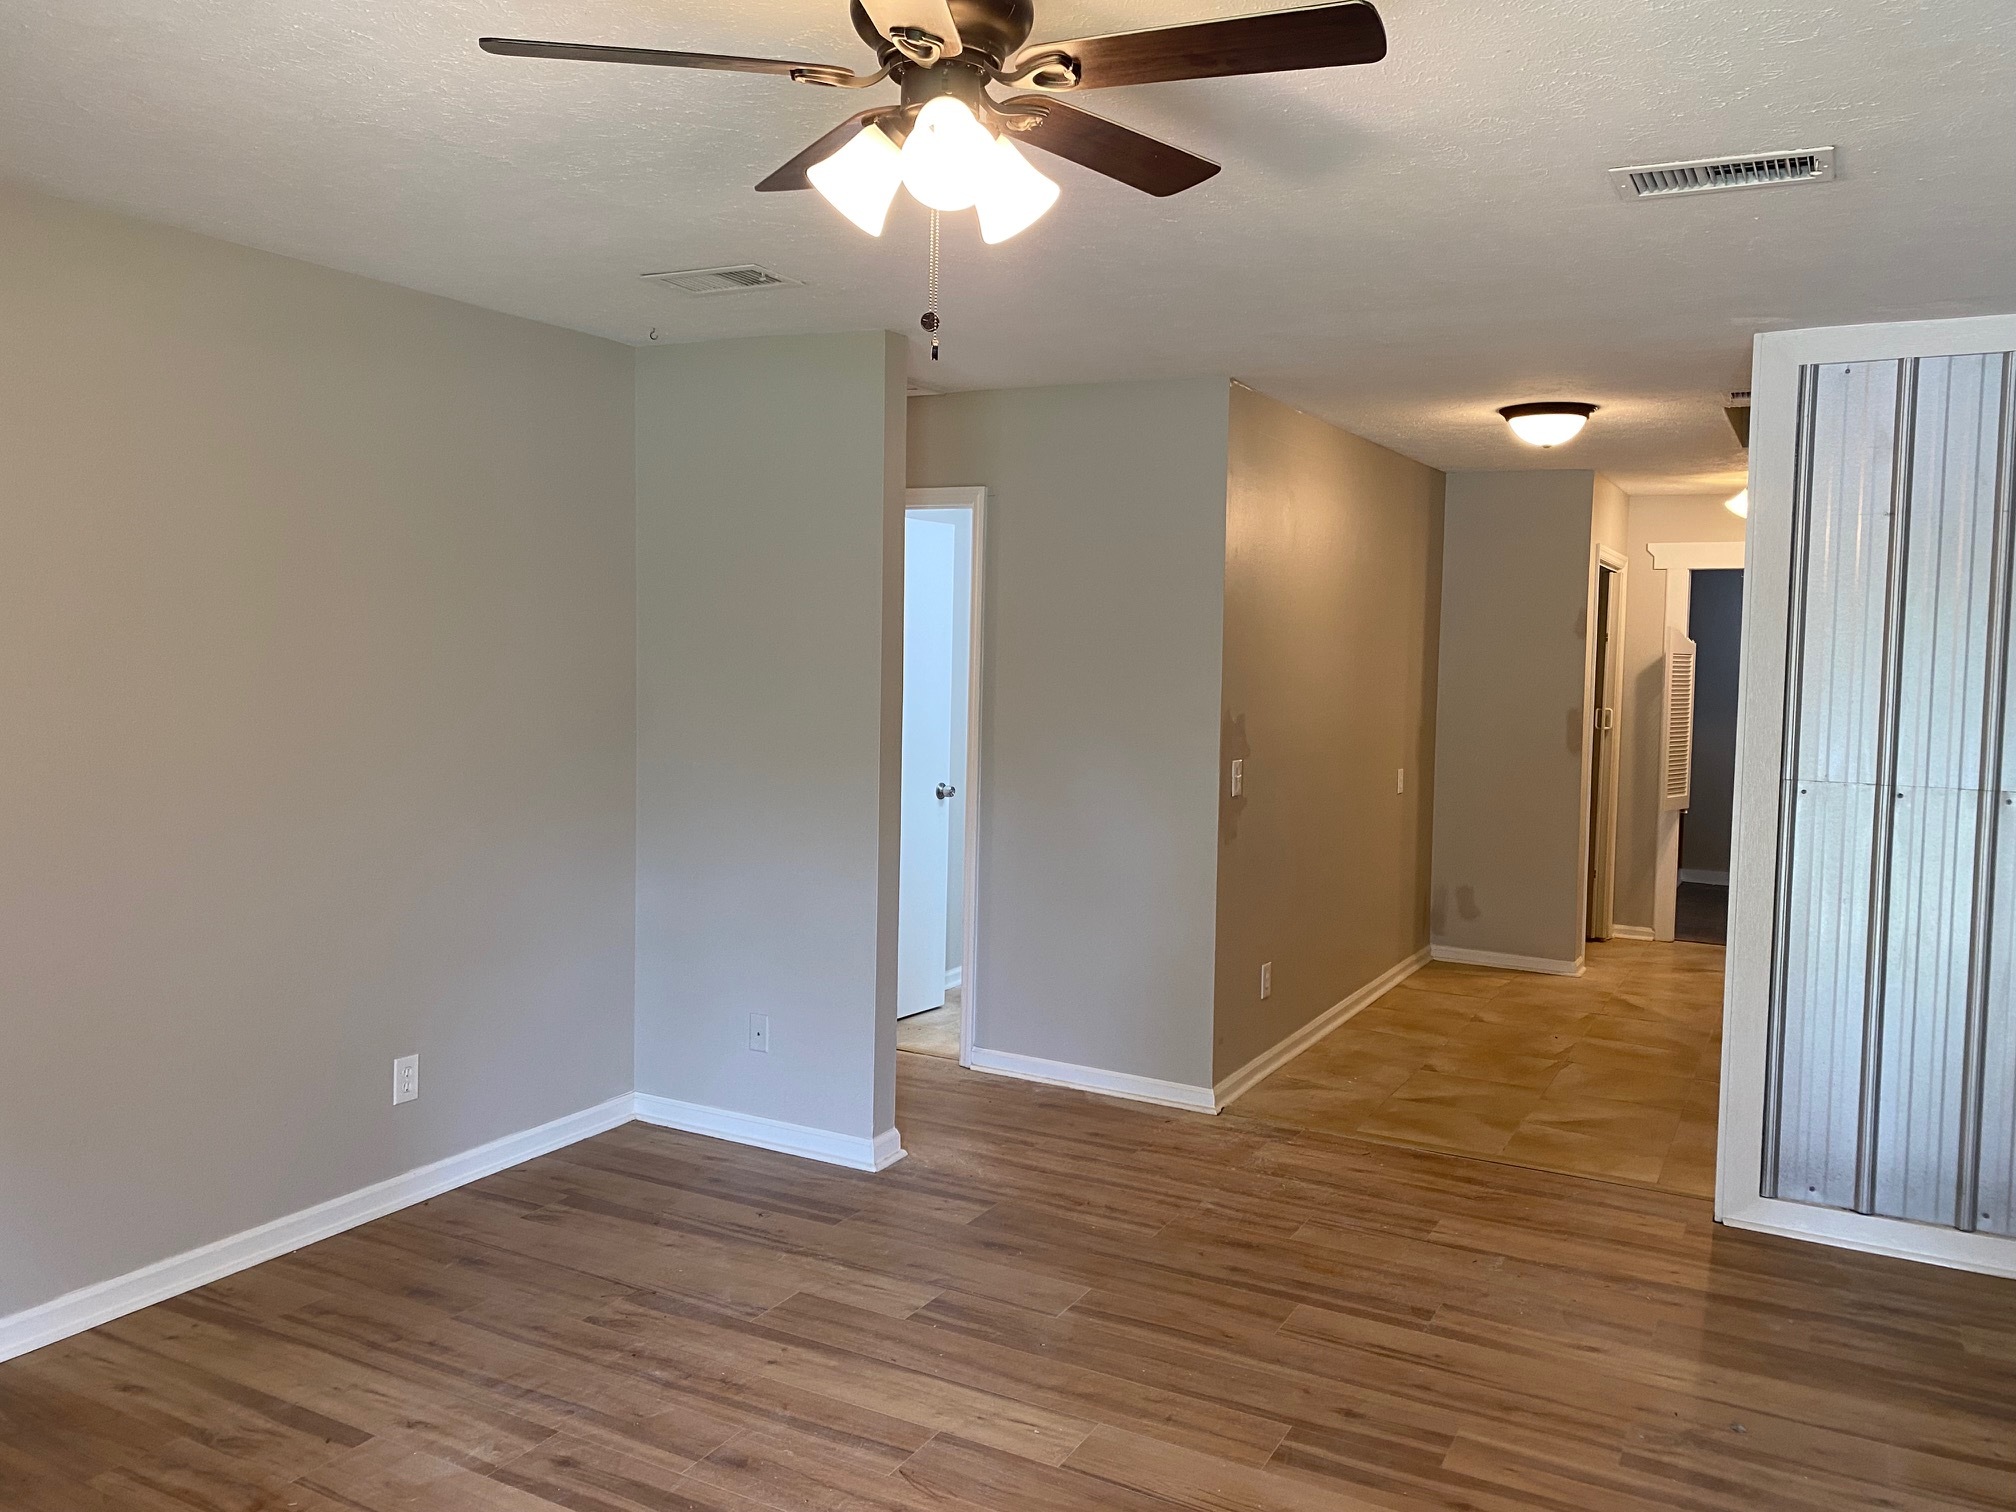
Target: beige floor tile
<point>1489,1064</point>
<point>1582,1154</point>
<point>1612,1083</point>
<point>1518,1039</point>
<point>1623,1124</point>
<point>1628,1059</point>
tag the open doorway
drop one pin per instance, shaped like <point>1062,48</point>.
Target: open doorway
<point>1715,626</point>
<point>943,533</point>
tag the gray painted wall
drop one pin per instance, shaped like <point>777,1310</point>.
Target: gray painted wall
<point>315,652</point>
<point>769,686</point>
<point>1333,568</point>
<point>1511,732</point>
<point>1104,614</point>
<point>1654,519</point>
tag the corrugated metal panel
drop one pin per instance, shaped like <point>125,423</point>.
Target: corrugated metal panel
<point>1894,1030</point>
<point>1825,931</point>
<point>1917,1118</point>
<point>1833,737</point>
<point>1940,703</point>
<point>1847,567</point>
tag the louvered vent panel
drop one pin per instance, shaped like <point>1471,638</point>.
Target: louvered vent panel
<point>1676,787</point>
<point>1709,175</point>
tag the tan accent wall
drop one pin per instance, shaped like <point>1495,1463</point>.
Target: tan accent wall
<point>1104,603</point>
<point>1654,518</point>
<point>1333,563</point>
<point>1511,744</point>
<point>318,733</point>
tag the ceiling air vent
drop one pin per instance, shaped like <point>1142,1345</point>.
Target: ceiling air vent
<point>736,280</point>
<point>1707,175</point>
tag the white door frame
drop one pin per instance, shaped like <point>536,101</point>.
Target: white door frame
<point>974,499</point>
<point>1599,793</point>
<point>1746,1016</point>
<point>1680,560</point>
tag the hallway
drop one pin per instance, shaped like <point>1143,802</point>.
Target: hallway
<point>1612,1075</point>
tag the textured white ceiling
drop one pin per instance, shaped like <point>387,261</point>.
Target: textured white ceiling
<point>1398,248</point>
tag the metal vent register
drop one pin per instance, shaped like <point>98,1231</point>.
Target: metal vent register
<point>736,280</point>
<point>1708,175</point>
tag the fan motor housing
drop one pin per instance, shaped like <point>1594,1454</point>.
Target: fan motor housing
<point>993,29</point>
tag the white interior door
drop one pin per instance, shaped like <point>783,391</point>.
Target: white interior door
<point>929,550</point>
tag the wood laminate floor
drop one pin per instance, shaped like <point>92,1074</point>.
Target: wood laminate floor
<point>1057,1304</point>
<point>1613,1074</point>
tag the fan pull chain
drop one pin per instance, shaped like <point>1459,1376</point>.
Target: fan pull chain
<point>931,322</point>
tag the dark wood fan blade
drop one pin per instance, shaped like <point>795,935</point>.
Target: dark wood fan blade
<point>1105,147</point>
<point>1320,36</point>
<point>792,174</point>
<point>591,52</point>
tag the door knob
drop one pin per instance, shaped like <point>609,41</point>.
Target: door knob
<point>946,790</point>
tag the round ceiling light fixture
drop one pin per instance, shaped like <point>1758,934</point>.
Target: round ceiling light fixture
<point>1739,505</point>
<point>1548,423</point>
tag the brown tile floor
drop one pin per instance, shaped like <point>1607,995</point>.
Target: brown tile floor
<point>934,1033</point>
<point>1613,1074</point>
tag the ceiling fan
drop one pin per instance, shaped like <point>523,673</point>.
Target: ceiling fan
<point>952,144</point>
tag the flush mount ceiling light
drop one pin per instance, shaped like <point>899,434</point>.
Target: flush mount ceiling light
<point>948,141</point>
<point>1739,506</point>
<point>1548,423</point>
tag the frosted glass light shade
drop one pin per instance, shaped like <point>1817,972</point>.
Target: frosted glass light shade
<point>1547,430</point>
<point>1015,195</point>
<point>1549,422</point>
<point>861,179</point>
<point>948,156</point>
<point>1739,506</point>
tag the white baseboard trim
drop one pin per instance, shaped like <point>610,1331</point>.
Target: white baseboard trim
<point>1706,878</point>
<point>90,1306</point>
<point>1266,1064</point>
<point>853,1151</point>
<point>1460,957</point>
<point>1986,1254</point>
<point>1632,932</point>
<point>1146,1089</point>
<point>955,978</point>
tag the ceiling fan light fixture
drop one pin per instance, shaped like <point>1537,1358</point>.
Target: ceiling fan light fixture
<point>1739,505</point>
<point>1550,422</point>
<point>948,155</point>
<point>1015,196</point>
<point>861,179</point>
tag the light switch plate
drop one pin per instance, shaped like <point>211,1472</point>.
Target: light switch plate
<point>1266,980</point>
<point>1238,777</point>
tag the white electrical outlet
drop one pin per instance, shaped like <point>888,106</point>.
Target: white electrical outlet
<point>1400,782</point>
<point>405,1079</point>
<point>1266,979</point>
<point>759,1033</point>
<point>1238,777</point>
